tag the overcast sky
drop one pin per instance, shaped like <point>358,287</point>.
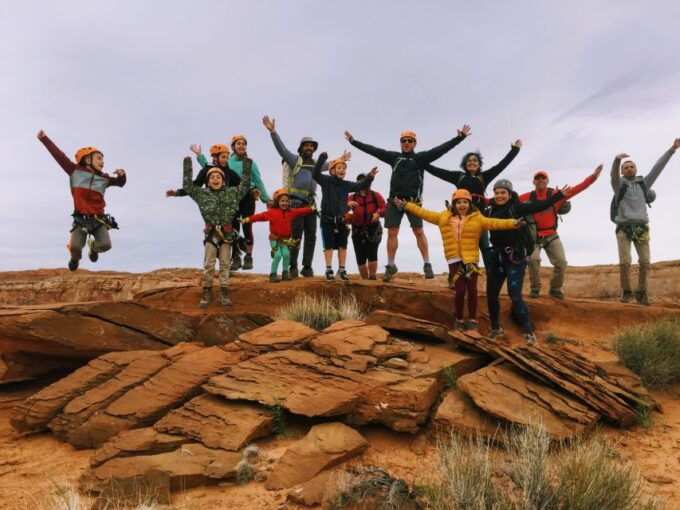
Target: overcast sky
<point>578,82</point>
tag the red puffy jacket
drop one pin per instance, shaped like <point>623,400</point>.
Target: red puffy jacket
<point>280,220</point>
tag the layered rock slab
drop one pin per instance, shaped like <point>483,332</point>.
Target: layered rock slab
<point>325,445</point>
<point>224,328</point>
<point>144,441</point>
<point>349,345</point>
<point>278,335</point>
<point>400,324</point>
<point>458,413</point>
<point>218,423</point>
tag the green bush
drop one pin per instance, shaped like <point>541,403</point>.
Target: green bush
<point>652,351</point>
<point>320,311</point>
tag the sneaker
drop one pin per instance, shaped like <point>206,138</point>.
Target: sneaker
<point>274,278</point>
<point>427,270</point>
<point>92,255</point>
<point>459,325</point>
<point>293,272</point>
<point>236,263</point>
<point>534,292</point>
<point>642,298</point>
<point>72,265</point>
<point>307,272</point>
<point>557,294</point>
<point>627,296</point>
<point>530,338</point>
<point>285,276</point>
<point>390,271</point>
<point>206,298</point>
<point>329,275</point>
<point>496,332</point>
<point>471,325</point>
<point>248,262</point>
<point>343,275</point>
<point>224,296</point>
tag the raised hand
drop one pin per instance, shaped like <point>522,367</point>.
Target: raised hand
<point>621,156</point>
<point>373,171</point>
<point>520,223</point>
<point>323,155</point>
<point>464,131</point>
<point>676,144</point>
<point>566,190</point>
<point>196,149</point>
<point>41,134</point>
<point>346,156</point>
<point>597,171</point>
<point>348,136</point>
<point>270,124</point>
<point>119,172</point>
<point>517,143</point>
<point>171,193</point>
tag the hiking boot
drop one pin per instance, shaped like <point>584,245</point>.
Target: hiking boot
<point>224,296</point>
<point>206,298</point>
<point>390,271</point>
<point>236,263</point>
<point>274,278</point>
<point>92,255</point>
<point>307,272</point>
<point>471,325</point>
<point>627,296</point>
<point>329,275</point>
<point>459,325</point>
<point>642,298</point>
<point>557,294</point>
<point>427,270</point>
<point>530,338</point>
<point>534,292</point>
<point>285,276</point>
<point>248,262</point>
<point>372,277</point>
<point>293,272</point>
<point>343,275</point>
<point>496,332</point>
<point>72,265</point>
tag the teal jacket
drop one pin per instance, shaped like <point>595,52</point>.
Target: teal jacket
<point>236,164</point>
<point>218,207</point>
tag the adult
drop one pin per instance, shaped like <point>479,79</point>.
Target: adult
<point>406,183</point>
<point>632,194</point>
<point>546,232</point>
<point>509,252</point>
<point>302,188</point>
<point>368,207</point>
<point>472,178</point>
<point>239,146</point>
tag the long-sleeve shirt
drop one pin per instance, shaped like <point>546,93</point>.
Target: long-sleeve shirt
<point>475,183</point>
<point>280,220</point>
<point>546,220</point>
<point>367,205</point>
<point>335,191</point>
<point>633,207</point>
<point>236,164</point>
<point>233,179</point>
<point>217,207</point>
<point>299,183</point>
<point>408,169</point>
<point>87,185</point>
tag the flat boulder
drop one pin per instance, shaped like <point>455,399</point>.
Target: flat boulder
<point>400,324</point>
<point>224,328</point>
<point>350,347</point>
<point>278,335</point>
<point>325,445</point>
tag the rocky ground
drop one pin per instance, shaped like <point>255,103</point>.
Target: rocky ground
<point>170,394</point>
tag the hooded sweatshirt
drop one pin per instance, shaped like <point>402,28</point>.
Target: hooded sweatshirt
<point>336,190</point>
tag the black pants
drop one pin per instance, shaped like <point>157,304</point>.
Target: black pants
<point>501,269</point>
<point>245,208</point>
<point>303,225</point>
<point>364,249</point>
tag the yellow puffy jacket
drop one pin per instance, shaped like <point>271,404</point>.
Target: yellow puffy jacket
<point>461,237</point>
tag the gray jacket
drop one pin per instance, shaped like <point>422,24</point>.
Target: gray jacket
<point>633,208</point>
<point>303,186</point>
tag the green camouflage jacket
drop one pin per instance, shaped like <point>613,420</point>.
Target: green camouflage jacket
<point>218,207</point>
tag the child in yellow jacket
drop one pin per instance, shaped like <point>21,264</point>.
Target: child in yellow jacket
<point>461,226</point>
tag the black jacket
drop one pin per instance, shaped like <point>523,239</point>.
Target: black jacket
<point>335,190</point>
<point>408,169</point>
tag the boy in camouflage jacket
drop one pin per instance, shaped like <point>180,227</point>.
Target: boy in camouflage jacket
<point>218,205</point>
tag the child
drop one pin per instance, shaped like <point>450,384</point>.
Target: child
<point>334,229</point>
<point>368,207</point>
<point>218,205</point>
<point>461,227</point>
<point>280,218</point>
<point>88,184</point>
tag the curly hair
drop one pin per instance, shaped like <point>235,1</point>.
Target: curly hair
<point>463,162</point>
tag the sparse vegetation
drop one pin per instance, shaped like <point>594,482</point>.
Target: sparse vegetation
<point>652,351</point>
<point>320,311</point>
<point>278,412</point>
<point>450,377</point>
<point>370,488</point>
<point>644,416</point>
<point>530,448</point>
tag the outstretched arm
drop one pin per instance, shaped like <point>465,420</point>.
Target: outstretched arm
<point>263,216</point>
<point>499,224</point>
<point>616,171</point>
<point>244,185</point>
<point>258,184</point>
<point>120,178</point>
<point>420,212</point>
<point>189,187</point>
<point>359,185</point>
<point>451,176</point>
<point>383,155</point>
<point>318,168</point>
<point>581,186</point>
<point>428,156</point>
<point>287,156</point>
<point>66,164</point>
<point>525,208</point>
<point>659,166</point>
<point>493,172</point>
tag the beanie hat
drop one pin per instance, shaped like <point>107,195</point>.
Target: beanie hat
<point>503,183</point>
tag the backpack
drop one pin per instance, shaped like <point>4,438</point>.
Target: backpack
<point>616,199</point>
<point>564,209</point>
<point>528,233</point>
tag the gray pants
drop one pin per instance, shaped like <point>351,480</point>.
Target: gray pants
<point>555,251</point>
<point>625,260</point>
<point>303,225</point>
<point>212,253</point>
<point>101,243</point>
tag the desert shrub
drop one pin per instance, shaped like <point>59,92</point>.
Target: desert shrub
<point>320,311</point>
<point>530,447</point>
<point>450,377</point>
<point>652,351</point>
<point>278,413</point>
<point>370,488</point>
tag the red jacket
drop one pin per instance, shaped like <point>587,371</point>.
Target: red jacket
<point>546,221</point>
<point>87,185</point>
<point>280,220</point>
<point>368,205</point>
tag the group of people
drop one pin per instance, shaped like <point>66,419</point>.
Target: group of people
<point>509,229</point>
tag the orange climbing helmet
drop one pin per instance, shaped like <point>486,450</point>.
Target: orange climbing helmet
<point>218,148</point>
<point>281,192</point>
<point>213,170</point>
<point>408,134</point>
<point>461,194</point>
<point>236,138</point>
<point>85,151</point>
<point>336,162</point>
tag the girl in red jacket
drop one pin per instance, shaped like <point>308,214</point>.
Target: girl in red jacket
<point>280,218</point>
<point>368,207</point>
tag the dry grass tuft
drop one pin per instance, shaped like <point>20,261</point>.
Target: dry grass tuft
<point>320,311</point>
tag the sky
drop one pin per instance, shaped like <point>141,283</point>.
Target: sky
<point>577,82</point>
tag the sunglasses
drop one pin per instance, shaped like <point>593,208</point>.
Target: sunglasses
<point>408,140</point>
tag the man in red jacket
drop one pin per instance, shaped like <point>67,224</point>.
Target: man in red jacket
<point>546,233</point>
